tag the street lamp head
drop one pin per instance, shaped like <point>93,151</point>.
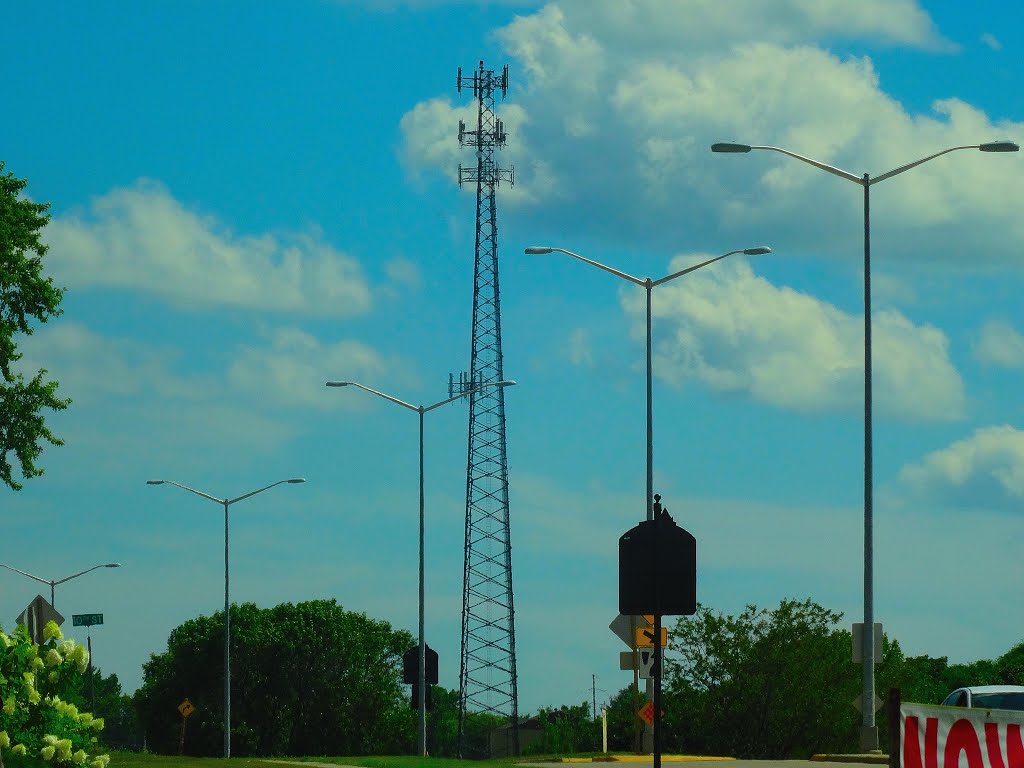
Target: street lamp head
<point>155,482</point>
<point>506,383</point>
<point>757,251</point>
<point>338,383</point>
<point>537,250</point>
<point>725,146</point>
<point>999,146</point>
<point>297,480</point>
<point>112,565</point>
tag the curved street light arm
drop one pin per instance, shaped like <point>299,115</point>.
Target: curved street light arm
<point>402,403</point>
<point>908,166</point>
<point>186,488</point>
<point>69,578</point>
<point>24,573</point>
<point>261,490</point>
<point>472,391</point>
<point>824,166</point>
<point>695,267</point>
<point>616,272</point>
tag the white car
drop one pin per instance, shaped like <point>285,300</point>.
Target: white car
<point>987,697</point>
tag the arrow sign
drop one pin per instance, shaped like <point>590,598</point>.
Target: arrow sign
<point>645,637</point>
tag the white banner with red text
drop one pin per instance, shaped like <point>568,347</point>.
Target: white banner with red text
<point>956,737</point>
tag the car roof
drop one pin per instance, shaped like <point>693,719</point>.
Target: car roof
<point>995,689</point>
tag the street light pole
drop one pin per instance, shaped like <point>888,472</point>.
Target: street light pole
<point>53,583</point>
<point>869,733</point>
<point>422,671</point>
<point>648,284</point>
<point>227,606</point>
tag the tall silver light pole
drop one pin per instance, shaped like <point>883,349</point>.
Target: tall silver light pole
<point>421,410</point>
<point>648,284</point>
<point>227,606</point>
<point>869,733</point>
<point>53,583</point>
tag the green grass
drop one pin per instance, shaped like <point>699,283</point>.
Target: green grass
<point>147,760</point>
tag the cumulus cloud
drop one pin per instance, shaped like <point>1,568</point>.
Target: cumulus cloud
<point>579,348</point>
<point>983,471</point>
<point>734,331</point>
<point>999,344</point>
<point>289,369</point>
<point>293,368</point>
<point>431,140</point>
<point>622,101</point>
<point>671,26</point>
<point>142,238</point>
<point>90,366</point>
<point>991,41</point>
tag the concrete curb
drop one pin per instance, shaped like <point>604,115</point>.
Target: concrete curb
<point>873,758</point>
<point>636,759</point>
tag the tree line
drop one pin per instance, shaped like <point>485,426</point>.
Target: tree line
<point>314,679</point>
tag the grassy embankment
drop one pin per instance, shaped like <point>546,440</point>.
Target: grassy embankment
<point>146,760</point>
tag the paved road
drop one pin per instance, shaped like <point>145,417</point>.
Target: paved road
<point>641,762</point>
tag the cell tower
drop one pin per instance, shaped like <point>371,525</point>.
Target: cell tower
<point>487,676</point>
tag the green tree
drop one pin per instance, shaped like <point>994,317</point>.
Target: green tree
<point>24,295</point>
<point>306,679</point>
<point>566,730</point>
<point>122,730</point>
<point>443,723</point>
<point>764,684</point>
<point>623,721</point>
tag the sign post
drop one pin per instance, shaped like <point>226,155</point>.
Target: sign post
<point>88,620</point>
<point>625,627</point>
<point>657,575</point>
<point>186,708</point>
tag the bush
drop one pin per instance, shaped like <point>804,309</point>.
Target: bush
<point>40,692</point>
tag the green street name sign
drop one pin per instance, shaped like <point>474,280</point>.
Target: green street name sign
<point>86,619</point>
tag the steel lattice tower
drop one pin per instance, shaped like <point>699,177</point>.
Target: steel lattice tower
<point>487,677</point>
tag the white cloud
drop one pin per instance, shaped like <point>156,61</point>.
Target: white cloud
<point>291,369</point>
<point>404,272</point>
<point>983,471</point>
<point>623,100</point>
<point>991,41</point>
<point>295,366</point>
<point>668,27</point>
<point>431,134</point>
<point>734,331</point>
<point>579,348</point>
<point>142,238</point>
<point>422,5</point>
<point>999,343</point>
<point>90,366</point>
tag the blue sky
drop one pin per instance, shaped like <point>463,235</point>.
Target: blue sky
<point>251,199</point>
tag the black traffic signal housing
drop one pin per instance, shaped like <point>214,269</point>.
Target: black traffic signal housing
<point>658,567</point>
<point>411,666</point>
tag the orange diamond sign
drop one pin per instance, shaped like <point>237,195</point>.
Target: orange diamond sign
<point>646,713</point>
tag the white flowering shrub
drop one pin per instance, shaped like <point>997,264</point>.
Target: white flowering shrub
<point>38,724</point>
